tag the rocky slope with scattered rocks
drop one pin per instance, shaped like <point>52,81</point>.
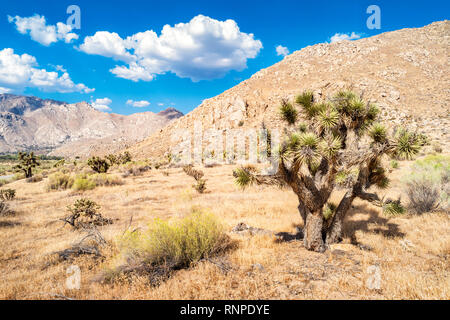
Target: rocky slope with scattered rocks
<point>31,123</point>
<point>406,72</point>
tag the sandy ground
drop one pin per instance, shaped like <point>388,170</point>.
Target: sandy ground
<point>407,256</point>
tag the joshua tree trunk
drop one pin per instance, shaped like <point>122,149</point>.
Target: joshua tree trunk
<point>334,232</point>
<point>313,232</point>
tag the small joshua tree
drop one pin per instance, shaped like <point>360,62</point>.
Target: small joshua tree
<point>84,213</point>
<point>99,165</point>
<point>200,186</point>
<point>27,161</point>
<point>340,136</point>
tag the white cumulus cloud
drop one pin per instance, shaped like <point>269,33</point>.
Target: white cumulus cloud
<point>39,31</point>
<point>138,104</point>
<point>203,48</point>
<point>21,71</point>
<point>102,104</point>
<point>342,36</point>
<point>282,51</point>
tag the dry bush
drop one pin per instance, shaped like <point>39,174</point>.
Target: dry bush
<point>428,184</point>
<point>135,170</point>
<point>35,178</point>
<point>59,181</point>
<point>5,210</point>
<point>7,194</point>
<point>103,179</point>
<point>423,195</point>
<point>166,246</point>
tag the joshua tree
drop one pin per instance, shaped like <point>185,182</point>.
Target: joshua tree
<point>340,137</point>
<point>98,164</point>
<point>28,161</point>
<point>200,186</point>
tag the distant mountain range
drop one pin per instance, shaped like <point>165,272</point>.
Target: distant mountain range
<point>60,128</point>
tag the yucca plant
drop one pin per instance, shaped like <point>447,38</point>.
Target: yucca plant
<point>339,143</point>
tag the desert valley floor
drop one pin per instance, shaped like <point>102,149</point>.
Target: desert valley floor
<point>412,252</point>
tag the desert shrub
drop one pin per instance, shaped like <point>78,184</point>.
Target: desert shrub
<point>423,195</point>
<point>99,165</point>
<point>173,245</point>
<point>5,210</point>
<point>84,213</point>
<point>59,181</point>
<point>394,164</point>
<point>103,179</point>
<point>427,185</point>
<point>83,183</point>
<point>59,163</point>
<point>437,147</point>
<point>7,194</point>
<point>35,178</point>
<point>200,184</point>
<point>135,169</point>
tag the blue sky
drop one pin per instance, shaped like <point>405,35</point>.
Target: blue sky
<point>158,69</point>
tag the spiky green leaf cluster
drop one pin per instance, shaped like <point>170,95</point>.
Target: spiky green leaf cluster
<point>329,210</point>
<point>243,177</point>
<point>288,112</point>
<point>393,208</point>
<point>407,145</point>
<point>378,133</point>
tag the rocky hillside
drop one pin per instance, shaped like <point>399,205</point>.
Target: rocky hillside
<point>30,123</point>
<point>406,72</point>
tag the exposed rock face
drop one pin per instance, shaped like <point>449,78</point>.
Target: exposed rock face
<point>406,72</point>
<point>71,129</point>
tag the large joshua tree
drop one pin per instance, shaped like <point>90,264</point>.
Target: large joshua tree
<point>340,141</point>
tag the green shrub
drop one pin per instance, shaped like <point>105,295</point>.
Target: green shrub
<point>59,181</point>
<point>7,194</point>
<point>83,183</point>
<point>394,164</point>
<point>174,245</point>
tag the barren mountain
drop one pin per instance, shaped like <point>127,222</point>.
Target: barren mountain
<point>406,72</point>
<point>71,129</point>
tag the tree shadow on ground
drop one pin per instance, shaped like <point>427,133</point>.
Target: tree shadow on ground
<point>288,236</point>
<point>374,224</point>
<point>8,224</point>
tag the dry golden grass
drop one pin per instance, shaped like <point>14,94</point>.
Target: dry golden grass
<point>412,252</point>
